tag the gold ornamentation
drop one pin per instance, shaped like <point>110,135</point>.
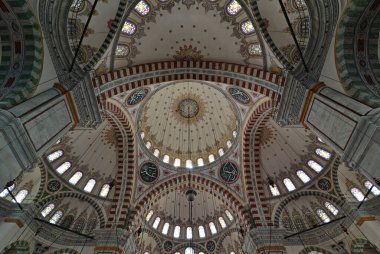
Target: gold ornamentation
<point>188,53</point>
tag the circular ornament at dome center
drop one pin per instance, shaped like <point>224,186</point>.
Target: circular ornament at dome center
<point>188,108</point>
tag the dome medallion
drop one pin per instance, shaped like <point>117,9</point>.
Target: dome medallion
<point>188,124</point>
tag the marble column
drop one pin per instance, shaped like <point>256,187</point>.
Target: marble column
<point>30,128</point>
<point>351,128</point>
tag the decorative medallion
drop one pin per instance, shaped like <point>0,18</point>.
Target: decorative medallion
<point>137,96</point>
<point>188,108</point>
<point>149,172</point>
<point>324,184</point>
<point>188,53</point>
<point>168,246</point>
<point>210,245</point>
<point>229,172</point>
<point>53,186</point>
<point>239,95</point>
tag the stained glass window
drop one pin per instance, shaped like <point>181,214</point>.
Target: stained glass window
<point>122,50</point>
<point>222,222</point>
<point>47,210</point>
<point>247,27</point>
<point>331,208</point>
<point>189,233</point>
<point>323,153</point>
<point>54,155</point>
<point>212,228</point>
<point>156,222</point>
<point>202,233</point>
<point>75,178</point>
<point>289,184</point>
<point>165,229</point>
<point>149,215</point>
<point>254,49</point>
<point>303,176</point>
<point>375,191</point>
<point>63,168</point>
<point>142,8</point>
<point>104,191</point>
<point>21,195</point>
<point>229,215</point>
<point>90,185</point>
<point>177,231</point>
<point>274,190</point>
<point>56,217</point>
<point>315,166</point>
<point>233,8</point>
<point>323,216</point>
<point>128,28</point>
<point>357,194</point>
<point>5,192</point>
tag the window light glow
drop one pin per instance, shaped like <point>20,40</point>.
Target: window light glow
<point>142,8</point>
<point>331,208</point>
<point>233,8</point>
<point>315,166</point>
<point>229,143</point>
<point>323,216</point>
<point>221,152</point>
<point>165,229</point>
<point>375,191</point>
<point>56,217</point>
<point>90,185</point>
<point>21,195</point>
<point>323,153</point>
<point>212,228</point>
<point>211,158</point>
<point>189,164</point>
<point>48,209</point>
<point>222,222</point>
<point>177,231</point>
<point>156,152</point>
<point>5,192</point>
<point>166,158</point>
<point>357,194</point>
<point>177,162</point>
<point>200,162</point>
<point>75,178</point>
<point>54,155</point>
<point>303,176</point>
<point>201,231</point>
<point>104,191</point>
<point>289,184</point>
<point>156,222</point>
<point>63,167</point>
<point>189,233</point>
<point>148,145</point>
<point>149,216</point>
<point>229,215</point>
<point>274,190</point>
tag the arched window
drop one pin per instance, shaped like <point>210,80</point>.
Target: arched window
<point>165,229</point>
<point>189,250</point>
<point>177,231</point>
<point>148,145</point>
<point>104,191</point>
<point>320,140</point>
<point>156,152</point>
<point>375,191</point>
<point>54,155</point>
<point>274,190</point>
<point>211,158</point>
<point>58,141</point>
<point>63,168</point>
<point>166,158</point>
<point>323,153</point>
<point>156,222</point>
<point>149,216</point>
<point>212,228</point>
<point>122,50</point>
<point>48,209</point>
<point>177,162</point>
<point>331,208</point>
<point>90,185</point>
<point>315,166</point>
<point>142,8</point>
<point>75,178</point>
<point>233,8</point>
<point>189,164</point>
<point>201,231</point>
<point>128,28</point>
<point>221,152</point>
<point>56,217</point>
<point>247,27</point>
<point>232,252</point>
<point>303,176</point>
<point>5,192</point>
<point>200,162</point>
<point>189,233</point>
<point>142,135</point>
<point>222,222</point>
<point>234,134</point>
<point>357,194</point>
<point>323,216</point>
<point>229,215</point>
<point>21,195</point>
<point>289,184</point>
<point>229,143</point>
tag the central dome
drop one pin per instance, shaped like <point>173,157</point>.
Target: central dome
<point>188,124</point>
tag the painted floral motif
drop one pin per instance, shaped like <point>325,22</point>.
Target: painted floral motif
<point>188,53</point>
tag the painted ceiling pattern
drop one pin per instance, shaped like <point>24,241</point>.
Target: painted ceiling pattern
<point>190,31</point>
